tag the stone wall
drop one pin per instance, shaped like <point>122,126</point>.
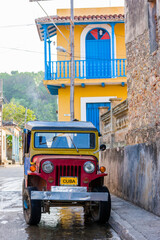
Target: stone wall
<point>143,91</point>
<point>134,174</point>
<point>114,123</point>
<point>143,76</point>
<point>134,170</point>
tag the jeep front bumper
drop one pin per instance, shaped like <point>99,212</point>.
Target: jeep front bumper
<point>69,194</point>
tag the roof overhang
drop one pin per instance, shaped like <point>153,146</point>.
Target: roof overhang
<point>53,21</point>
<point>7,131</point>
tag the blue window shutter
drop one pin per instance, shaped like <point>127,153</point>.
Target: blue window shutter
<point>92,112</point>
<point>98,56</point>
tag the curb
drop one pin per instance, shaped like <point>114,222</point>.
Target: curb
<point>123,228</point>
<point>10,166</point>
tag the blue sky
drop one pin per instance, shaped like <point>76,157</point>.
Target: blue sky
<point>20,47</point>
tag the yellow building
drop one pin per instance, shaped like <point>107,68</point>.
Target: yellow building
<point>100,60</point>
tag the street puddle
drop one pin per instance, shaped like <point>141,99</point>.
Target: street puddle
<point>62,223</point>
<point>68,223</point>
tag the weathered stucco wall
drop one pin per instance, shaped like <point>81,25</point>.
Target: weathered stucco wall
<point>113,160</point>
<point>141,176</point>
<point>134,174</point>
<point>136,14</point>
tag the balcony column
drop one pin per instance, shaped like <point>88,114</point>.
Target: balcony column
<point>49,56</point>
<point>113,50</point>
<point>45,52</point>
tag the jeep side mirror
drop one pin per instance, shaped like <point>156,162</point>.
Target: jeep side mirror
<point>102,147</point>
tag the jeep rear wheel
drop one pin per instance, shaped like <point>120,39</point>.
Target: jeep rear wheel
<point>31,208</point>
<point>100,211</point>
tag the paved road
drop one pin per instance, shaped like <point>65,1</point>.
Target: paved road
<point>62,223</point>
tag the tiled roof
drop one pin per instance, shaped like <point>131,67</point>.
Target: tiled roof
<point>77,19</point>
<point>58,19</point>
<point>9,123</point>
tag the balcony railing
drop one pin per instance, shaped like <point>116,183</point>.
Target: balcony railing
<point>86,69</point>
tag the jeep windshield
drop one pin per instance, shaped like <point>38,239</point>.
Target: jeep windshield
<point>64,140</point>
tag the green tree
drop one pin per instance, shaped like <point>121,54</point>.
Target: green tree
<point>12,111</point>
<point>27,89</point>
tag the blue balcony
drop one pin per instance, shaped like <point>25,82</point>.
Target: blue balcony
<point>86,69</point>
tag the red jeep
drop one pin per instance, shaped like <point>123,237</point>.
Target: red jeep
<point>61,167</point>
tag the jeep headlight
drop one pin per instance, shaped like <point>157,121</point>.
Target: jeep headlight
<point>89,167</point>
<point>47,167</point>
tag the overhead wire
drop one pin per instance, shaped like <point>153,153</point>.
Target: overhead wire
<point>32,25</point>
<point>18,49</point>
<point>52,21</point>
<point>21,25</point>
<point>65,37</point>
<point>54,25</point>
<point>32,51</point>
<point>58,54</point>
<point>57,29</point>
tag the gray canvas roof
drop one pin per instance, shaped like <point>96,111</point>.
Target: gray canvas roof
<point>74,125</point>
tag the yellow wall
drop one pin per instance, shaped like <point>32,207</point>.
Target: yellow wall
<point>119,33</point>
<point>120,40</point>
<point>91,11</point>
<point>120,50</point>
<point>62,42</point>
<point>88,91</point>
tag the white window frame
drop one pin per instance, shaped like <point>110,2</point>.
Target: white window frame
<point>88,28</point>
<point>85,100</point>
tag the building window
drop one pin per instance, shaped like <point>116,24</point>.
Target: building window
<point>98,34</point>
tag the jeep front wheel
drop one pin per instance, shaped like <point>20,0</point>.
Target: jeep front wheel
<point>100,211</point>
<point>31,208</point>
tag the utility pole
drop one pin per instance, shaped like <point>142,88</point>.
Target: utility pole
<point>72,67</point>
<point>25,120</point>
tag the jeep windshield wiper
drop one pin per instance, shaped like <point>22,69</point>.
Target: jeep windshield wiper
<point>73,143</point>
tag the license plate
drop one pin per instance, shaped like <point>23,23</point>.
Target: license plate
<point>73,181</point>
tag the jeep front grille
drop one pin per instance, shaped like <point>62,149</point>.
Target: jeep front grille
<point>68,171</point>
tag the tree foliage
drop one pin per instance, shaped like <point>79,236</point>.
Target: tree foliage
<point>16,113</point>
<point>26,89</point>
